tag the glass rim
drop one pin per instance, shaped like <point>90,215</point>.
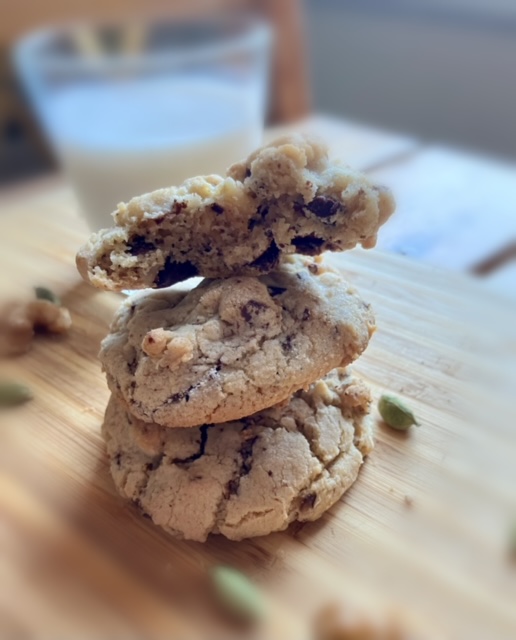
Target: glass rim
<point>252,33</point>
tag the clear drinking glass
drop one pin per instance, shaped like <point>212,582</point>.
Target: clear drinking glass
<point>133,107</point>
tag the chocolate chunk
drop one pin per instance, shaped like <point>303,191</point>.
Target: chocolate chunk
<point>216,208</point>
<point>202,446</point>
<point>152,466</point>
<point>251,308</point>
<point>233,486</point>
<point>139,245</point>
<point>308,245</point>
<point>177,397</point>
<point>324,207</point>
<point>246,451</point>
<point>276,291</point>
<point>286,345</point>
<point>308,501</point>
<point>268,260</point>
<point>173,272</point>
<point>177,207</point>
<point>261,212</point>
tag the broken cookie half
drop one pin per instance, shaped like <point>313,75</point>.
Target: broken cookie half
<point>287,197</point>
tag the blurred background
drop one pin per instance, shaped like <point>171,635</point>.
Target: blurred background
<point>441,70</point>
<point>436,76</point>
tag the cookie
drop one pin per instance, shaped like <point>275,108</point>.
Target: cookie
<point>245,478</point>
<point>232,347</point>
<point>285,198</point>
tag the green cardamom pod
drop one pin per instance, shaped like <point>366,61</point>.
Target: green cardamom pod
<point>13,393</point>
<point>512,541</point>
<point>237,594</point>
<point>42,293</point>
<point>395,413</point>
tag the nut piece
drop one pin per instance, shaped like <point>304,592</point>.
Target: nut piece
<point>395,413</point>
<point>46,315</point>
<point>20,320</point>
<point>346,622</point>
<point>171,347</point>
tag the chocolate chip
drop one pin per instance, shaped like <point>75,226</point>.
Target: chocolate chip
<point>177,207</point>
<point>216,208</point>
<point>269,473</point>
<point>173,272</point>
<point>276,291</point>
<point>286,345</point>
<point>251,308</point>
<point>152,466</point>
<point>268,260</point>
<point>177,397</point>
<point>308,501</point>
<point>324,207</point>
<point>246,451</point>
<point>306,315</point>
<point>139,245</point>
<point>202,446</point>
<point>308,245</point>
<point>233,486</point>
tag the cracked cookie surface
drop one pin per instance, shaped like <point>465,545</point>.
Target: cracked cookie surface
<point>233,347</point>
<point>287,197</point>
<point>248,477</point>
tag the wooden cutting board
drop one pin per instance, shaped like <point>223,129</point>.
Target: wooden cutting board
<point>424,530</point>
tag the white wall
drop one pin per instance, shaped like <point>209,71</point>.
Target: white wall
<point>441,70</point>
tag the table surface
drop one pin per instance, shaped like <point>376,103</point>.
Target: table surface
<point>425,529</point>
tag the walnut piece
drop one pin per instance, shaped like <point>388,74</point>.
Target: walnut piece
<point>20,320</point>
<point>172,349</point>
<point>346,622</point>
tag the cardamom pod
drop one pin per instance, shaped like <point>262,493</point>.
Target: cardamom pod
<point>512,541</point>
<point>395,413</point>
<point>237,594</point>
<point>42,293</point>
<point>13,393</point>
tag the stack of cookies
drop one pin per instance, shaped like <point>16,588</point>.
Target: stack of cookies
<point>231,410</point>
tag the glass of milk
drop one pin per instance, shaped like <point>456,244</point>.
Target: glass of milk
<point>133,107</point>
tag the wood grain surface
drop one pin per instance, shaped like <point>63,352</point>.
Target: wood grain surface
<point>424,531</point>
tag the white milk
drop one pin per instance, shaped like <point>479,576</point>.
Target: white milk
<point>120,140</point>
